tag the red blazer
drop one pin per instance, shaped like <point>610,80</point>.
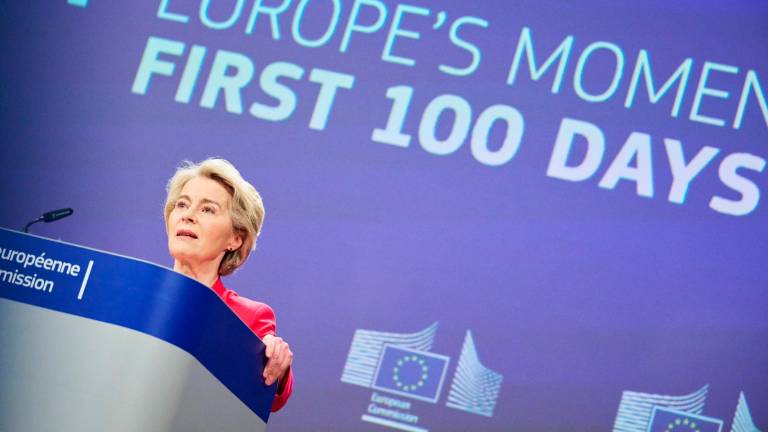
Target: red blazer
<point>260,318</point>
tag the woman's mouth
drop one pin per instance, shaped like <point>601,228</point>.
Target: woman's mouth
<point>186,233</point>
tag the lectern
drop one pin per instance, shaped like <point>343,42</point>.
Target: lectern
<point>94,341</point>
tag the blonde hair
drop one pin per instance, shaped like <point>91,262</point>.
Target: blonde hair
<point>246,208</point>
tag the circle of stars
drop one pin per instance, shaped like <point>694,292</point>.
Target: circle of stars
<point>684,423</point>
<point>413,359</point>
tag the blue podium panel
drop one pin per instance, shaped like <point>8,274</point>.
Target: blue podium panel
<point>93,341</point>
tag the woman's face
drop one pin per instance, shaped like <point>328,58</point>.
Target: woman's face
<point>199,226</point>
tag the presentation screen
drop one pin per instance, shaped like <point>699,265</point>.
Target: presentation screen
<point>517,216</point>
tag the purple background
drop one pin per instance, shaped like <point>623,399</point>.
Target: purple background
<point>572,292</point>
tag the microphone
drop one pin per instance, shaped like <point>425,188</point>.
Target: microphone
<point>56,214</point>
<point>50,217</point>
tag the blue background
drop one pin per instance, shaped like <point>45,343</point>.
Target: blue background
<point>573,293</point>
<point>410,372</point>
<point>663,418</point>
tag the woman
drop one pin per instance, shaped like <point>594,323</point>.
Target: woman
<point>213,217</point>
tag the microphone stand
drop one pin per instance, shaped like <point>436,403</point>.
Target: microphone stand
<point>26,227</point>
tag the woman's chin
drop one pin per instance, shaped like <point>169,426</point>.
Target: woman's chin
<point>181,254</point>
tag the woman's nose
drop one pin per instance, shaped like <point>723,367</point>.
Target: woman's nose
<point>188,214</point>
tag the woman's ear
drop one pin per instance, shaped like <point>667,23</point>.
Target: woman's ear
<point>235,242</point>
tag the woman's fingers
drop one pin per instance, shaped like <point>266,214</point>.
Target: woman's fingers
<point>279,357</point>
<point>287,359</point>
<point>269,342</point>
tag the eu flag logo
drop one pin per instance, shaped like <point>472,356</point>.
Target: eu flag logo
<point>411,373</point>
<point>670,420</point>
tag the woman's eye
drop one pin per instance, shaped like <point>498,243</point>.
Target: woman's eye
<point>208,209</point>
<point>180,204</point>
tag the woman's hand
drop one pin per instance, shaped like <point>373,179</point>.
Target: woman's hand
<point>279,358</point>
